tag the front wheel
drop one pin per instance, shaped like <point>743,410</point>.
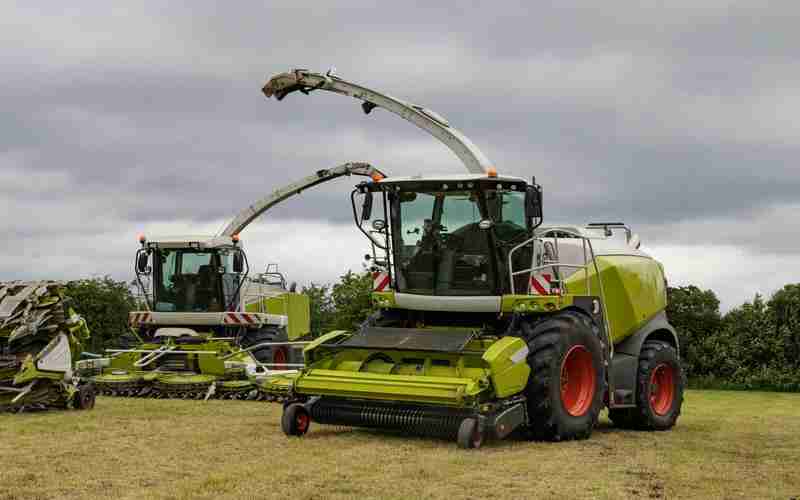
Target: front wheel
<point>295,420</point>
<point>470,434</point>
<point>568,376</point>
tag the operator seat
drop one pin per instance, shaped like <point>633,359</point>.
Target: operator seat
<point>465,259</point>
<point>206,286</point>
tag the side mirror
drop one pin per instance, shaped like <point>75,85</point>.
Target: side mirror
<point>485,224</point>
<point>238,263</point>
<point>366,209</point>
<point>379,224</point>
<point>141,263</point>
<point>533,203</point>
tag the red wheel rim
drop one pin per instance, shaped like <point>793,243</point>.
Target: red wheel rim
<point>302,421</point>
<point>477,437</point>
<point>279,358</point>
<point>662,389</point>
<point>577,381</point>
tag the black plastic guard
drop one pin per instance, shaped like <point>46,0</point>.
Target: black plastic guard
<point>409,339</point>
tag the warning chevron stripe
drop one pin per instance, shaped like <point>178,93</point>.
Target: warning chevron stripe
<point>237,318</point>
<point>137,318</point>
<point>540,284</point>
<point>380,281</point>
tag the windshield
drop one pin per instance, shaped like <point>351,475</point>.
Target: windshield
<point>193,280</point>
<point>440,248</point>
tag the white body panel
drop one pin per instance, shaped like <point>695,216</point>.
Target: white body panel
<point>206,318</point>
<point>450,304</point>
<point>56,357</point>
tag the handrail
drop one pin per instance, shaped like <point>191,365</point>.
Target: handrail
<point>263,344</point>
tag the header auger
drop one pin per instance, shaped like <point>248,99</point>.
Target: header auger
<point>491,323</point>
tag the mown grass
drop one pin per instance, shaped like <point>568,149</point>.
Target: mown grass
<point>726,445</point>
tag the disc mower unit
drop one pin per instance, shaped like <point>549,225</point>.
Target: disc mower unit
<point>488,322</point>
<point>40,336</point>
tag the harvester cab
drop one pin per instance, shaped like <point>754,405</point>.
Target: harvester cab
<point>450,236</point>
<point>194,275</point>
<point>487,322</point>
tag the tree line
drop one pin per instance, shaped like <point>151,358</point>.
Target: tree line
<point>753,346</point>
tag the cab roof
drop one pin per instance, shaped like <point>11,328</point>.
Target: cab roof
<point>452,178</point>
<point>190,241</point>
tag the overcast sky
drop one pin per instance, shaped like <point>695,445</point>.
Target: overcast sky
<point>680,120</point>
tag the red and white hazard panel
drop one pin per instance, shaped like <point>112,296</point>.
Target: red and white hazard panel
<point>380,281</point>
<point>542,284</point>
<point>137,318</point>
<point>237,318</point>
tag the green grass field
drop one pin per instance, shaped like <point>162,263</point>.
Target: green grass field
<point>726,445</point>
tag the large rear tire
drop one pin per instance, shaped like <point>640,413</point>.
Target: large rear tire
<point>660,383</point>
<point>264,354</point>
<point>567,384</point>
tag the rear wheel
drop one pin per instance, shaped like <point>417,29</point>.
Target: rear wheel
<point>280,357</point>
<point>295,420</point>
<point>660,384</point>
<point>568,376</point>
<point>264,354</point>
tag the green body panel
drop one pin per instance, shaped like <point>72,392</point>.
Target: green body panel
<point>507,365</point>
<point>460,379</point>
<point>294,306</point>
<point>180,379</point>
<point>449,391</point>
<point>635,291</point>
<point>534,303</point>
<point>211,364</point>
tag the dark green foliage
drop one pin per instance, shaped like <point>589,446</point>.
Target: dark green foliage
<point>352,298</point>
<point>695,314</point>
<point>785,307</point>
<point>323,311</point>
<point>342,306</point>
<point>105,303</point>
<point>754,346</point>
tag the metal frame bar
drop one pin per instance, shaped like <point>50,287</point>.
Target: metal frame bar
<point>154,355</point>
<point>122,351</point>
<point>587,245</point>
<point>263,344</point>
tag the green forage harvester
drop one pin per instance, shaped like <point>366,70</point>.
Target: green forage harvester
<point>40,336</point>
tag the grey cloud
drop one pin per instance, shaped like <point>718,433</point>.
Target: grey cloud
<point>663,117</point>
